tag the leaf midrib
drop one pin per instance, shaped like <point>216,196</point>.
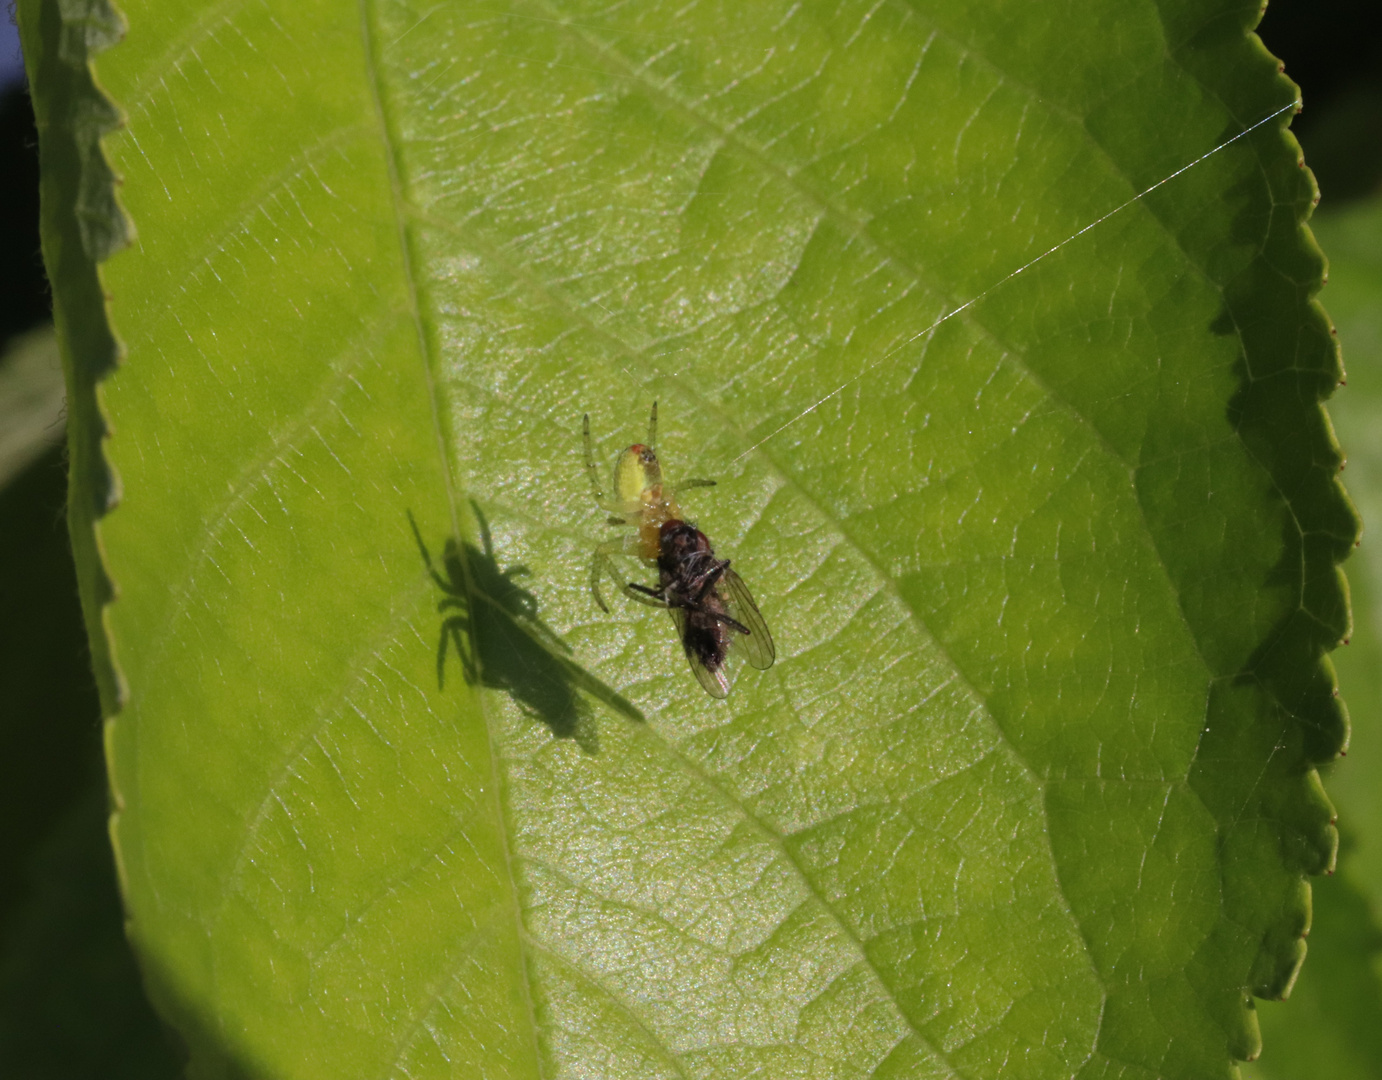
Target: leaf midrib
<point>501,821</point>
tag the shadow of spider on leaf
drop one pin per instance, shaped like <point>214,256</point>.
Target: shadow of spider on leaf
<point>493,625</point>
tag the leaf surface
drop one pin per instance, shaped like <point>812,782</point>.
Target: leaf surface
<point>1030,788</point>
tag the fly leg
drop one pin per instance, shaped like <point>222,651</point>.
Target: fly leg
<point>702,585</point>
<point>658,598</point>
<point>645,594</point>
<point>706,585</point>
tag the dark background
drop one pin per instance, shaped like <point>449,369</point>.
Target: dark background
<point>71,1005</point>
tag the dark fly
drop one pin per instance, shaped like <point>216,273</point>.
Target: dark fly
<point>710,604</point>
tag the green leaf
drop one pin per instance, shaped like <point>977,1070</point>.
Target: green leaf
<point>30,401</point>
<point>1030,788</point>
<point>1329,1026</point>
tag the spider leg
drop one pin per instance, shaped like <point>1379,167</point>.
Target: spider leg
<point>451,633</point>
<point>602,563</point>
<point>440,581</point>
<point>486,540</point>
<point>465,648</point>
<point>652,429</point>
<point>687,485</point>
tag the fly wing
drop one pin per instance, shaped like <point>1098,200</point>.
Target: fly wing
<point>758,643</point>
<point>715,682</point>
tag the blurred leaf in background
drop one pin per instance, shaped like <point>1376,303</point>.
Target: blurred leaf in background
<point>31,401</point>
